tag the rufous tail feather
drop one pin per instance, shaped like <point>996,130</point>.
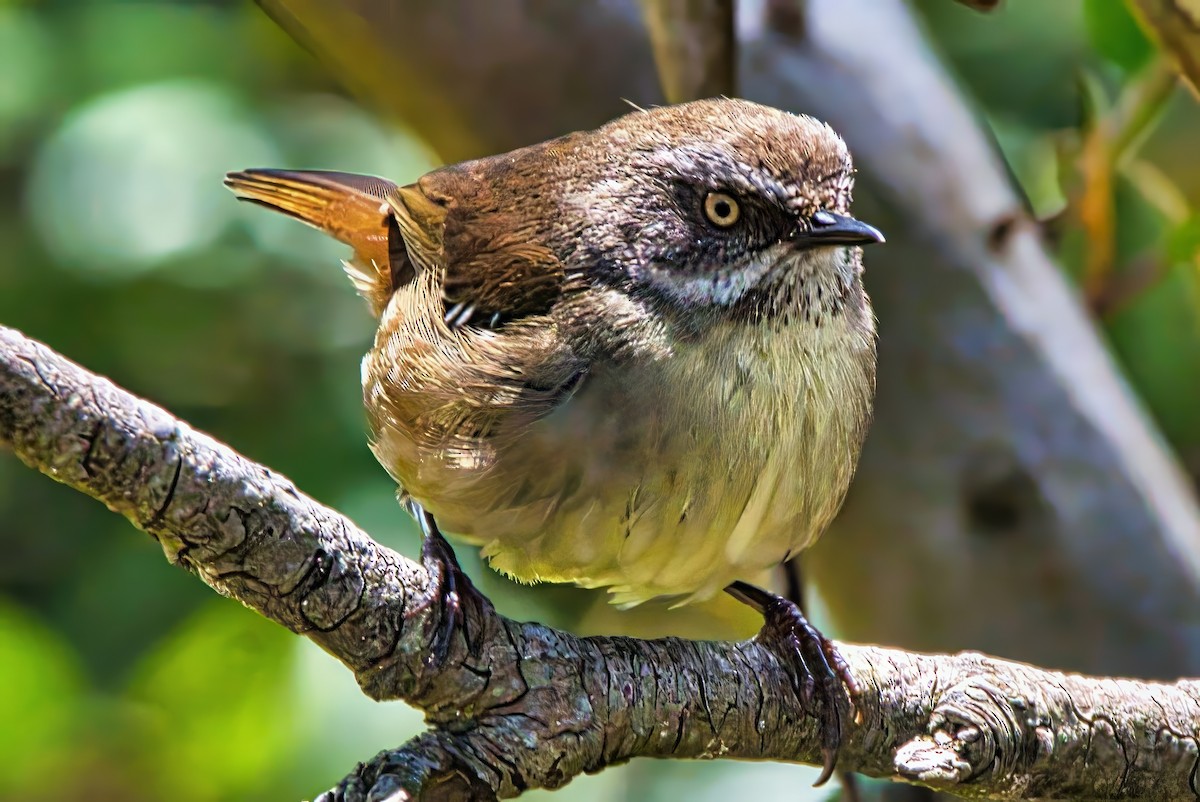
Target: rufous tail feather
<point>352,208</point>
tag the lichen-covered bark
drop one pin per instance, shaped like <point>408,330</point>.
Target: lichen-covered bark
<point>519,705</point>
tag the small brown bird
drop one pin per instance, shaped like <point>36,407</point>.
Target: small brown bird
<point>638,357</point>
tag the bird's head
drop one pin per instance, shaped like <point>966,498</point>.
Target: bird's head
<point>718,205</point>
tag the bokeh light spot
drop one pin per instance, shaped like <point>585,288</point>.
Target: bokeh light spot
<point>134,177</point>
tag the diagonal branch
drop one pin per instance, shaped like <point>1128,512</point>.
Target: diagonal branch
<point>519,705</point>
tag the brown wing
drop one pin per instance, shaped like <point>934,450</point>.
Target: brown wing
<point>494,280</point>
<point>497,269</point>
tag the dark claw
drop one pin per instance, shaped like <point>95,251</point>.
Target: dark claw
<point>820,677</point>
<point>453,586</point>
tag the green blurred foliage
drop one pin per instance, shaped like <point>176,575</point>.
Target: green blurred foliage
<point>1115,35</point>
<point>1059,83</point>
<point>123,678</point>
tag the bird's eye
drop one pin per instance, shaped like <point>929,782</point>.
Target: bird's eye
<point>721,210</point>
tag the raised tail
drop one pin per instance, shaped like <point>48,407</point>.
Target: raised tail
<point>349,207</point>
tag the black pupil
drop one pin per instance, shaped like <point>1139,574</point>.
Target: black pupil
<point>722,209</point>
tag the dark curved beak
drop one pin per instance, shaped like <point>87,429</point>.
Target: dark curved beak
<point>837,229</point>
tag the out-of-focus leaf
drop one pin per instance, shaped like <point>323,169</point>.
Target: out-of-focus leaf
<point>107,626</point>
<point>1093,198</point>
<point>119,45</point>
<point>1116,35</point>
<point>1176,26</point>
<point>40,694</point>
<point>1159,190</point>
<point>1020,62</point>
<point>218,695</point>
<point>607,786</point>
<point>1140,107</point>
<point>1111,134</point>
<point>29,70</point>
<point>1157,338</point>
<point>1183,244</point>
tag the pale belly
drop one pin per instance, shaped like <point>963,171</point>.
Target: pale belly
<point>666,482</point>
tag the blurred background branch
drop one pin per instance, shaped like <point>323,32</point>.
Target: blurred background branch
<point>694,45</point>
<point>1176,25</point>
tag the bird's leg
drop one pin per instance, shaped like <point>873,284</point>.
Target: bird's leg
<point>820,676</point>
<point>793,572</point>
<point>451,586</point>
<point>794,588</point>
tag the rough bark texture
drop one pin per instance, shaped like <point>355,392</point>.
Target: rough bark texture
<point>519,705</point>
<point>1007,459</point>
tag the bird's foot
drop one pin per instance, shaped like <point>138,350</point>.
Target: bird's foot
<point>821,678</point>
<point>451,589</point>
